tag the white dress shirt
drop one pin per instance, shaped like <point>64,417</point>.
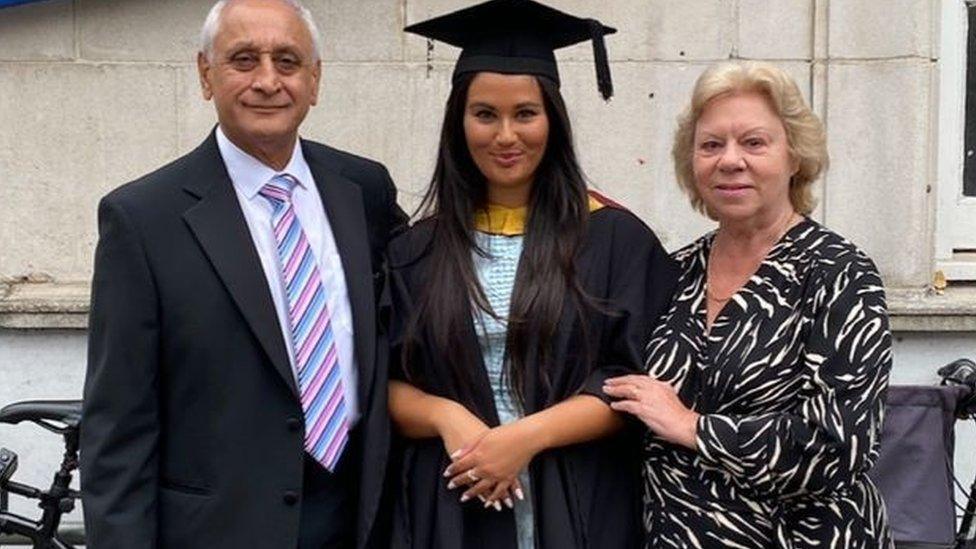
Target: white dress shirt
<point>248,175</point>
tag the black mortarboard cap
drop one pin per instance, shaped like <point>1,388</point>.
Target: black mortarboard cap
<point>517,37</point>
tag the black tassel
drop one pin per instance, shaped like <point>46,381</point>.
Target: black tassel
<point>603,80</point>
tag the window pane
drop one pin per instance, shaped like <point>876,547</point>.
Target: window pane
<point>969,172</point>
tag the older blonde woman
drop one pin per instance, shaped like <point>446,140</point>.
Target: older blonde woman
<point>767,373</point>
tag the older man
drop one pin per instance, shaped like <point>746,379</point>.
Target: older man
<point>236,393</point>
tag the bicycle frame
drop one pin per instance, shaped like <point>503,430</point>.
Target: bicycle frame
<point>56,500</point>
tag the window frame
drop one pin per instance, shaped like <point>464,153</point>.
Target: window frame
<point>955,213</point>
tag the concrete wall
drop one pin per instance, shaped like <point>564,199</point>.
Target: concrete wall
<point>94,93</point>
<point>101,92</point>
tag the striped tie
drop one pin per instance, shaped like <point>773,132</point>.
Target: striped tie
<point>319,375</point>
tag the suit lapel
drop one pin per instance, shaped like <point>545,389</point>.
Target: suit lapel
<point>343,203</point>
<point>219,226</point>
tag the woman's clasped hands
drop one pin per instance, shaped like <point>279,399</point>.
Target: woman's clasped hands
<point>486,465</point>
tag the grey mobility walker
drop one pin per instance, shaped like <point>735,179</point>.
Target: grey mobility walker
<point>915,469</point>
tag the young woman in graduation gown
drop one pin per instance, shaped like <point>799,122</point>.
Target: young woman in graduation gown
<point>515,296</point>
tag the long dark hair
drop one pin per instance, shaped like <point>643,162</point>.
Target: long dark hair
<point>556,222</point>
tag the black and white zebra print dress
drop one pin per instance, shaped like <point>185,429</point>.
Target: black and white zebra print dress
<point>790,381</point>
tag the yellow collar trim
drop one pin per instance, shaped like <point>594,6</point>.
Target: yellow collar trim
<point>505,221</point>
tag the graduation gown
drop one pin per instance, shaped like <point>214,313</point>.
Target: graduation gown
<point>585,495</point>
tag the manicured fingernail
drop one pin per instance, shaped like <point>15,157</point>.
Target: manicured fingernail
<point>482,498</point>
<point>465,497</point>
<point>519,494</point>
<point>447,472</point>
<point>450,485</point>
<point>509,503</point>
<point>487,503</point>
<point>498,506</point>
<point>456,453</point>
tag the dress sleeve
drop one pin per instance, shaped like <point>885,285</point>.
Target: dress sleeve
<point>399,307</point>
<point>642,278</point>
<point>830,438</point>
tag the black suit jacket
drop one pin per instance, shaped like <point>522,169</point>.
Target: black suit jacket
<point>192,431</point>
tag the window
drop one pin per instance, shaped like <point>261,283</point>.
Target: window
<point>956,209</point>
<point>969,171</point>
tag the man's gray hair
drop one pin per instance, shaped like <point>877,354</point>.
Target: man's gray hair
<point>212,23</point>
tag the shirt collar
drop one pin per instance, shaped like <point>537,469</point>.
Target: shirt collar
<point>249,174</point>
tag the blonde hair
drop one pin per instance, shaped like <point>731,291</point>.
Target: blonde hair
<point>805,135</point>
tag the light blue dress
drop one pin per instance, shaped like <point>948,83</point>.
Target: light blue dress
<point>496,273</point>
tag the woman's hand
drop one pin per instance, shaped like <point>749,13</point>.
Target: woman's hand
<point>421,415</point>
<point>458,428</point>
<point>656,403</point>
<point>490,467</point>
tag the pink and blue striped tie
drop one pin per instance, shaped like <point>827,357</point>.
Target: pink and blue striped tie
<point>319,375</point>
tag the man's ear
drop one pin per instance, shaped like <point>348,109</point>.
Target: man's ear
<point>203,70</point>
<point>317,75</point>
